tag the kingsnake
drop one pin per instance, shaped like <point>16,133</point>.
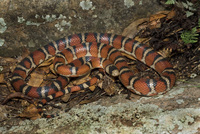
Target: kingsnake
<point>85,51</point>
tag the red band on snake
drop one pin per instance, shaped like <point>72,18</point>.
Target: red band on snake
<point>108,46</point>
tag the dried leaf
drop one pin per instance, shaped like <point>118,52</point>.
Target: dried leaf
<point>66,97</point>
<point>51,67</point>
<point>87,101</point>
<point>92,88</point>
<point>82,79</point>
<point>36,79</point>
<point>134,69</point>
<point>134,27</point>
<point>109,86</point>
<point>6,61</point>
<point>30,112</point>
<point>7,64</point>
<point>158,15</point>
<point>171,14</point>
<point>129,56</point>
<point>142,40</point>
<point>165,52</point>
<point>3,113</point>
<point>47,62</point>
<point>154,20</point>
<point>2,78</point>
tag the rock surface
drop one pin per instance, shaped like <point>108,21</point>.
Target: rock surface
<point>32,24</point>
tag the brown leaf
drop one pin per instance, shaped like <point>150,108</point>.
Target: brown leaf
<point>134,27</point>
<point>92,88</point>
<point>30,112</point>
<point>128,55</point>
<point>171,14</point>
<point>154,20</point>
<point>87,101</point>
<point>5,60</point>
<point>47,62</point>
<point>81,80</point>
<point>109,86</point>
<point>2,78</point>
<point>66,97</point>
<point>51,67</point>
<point>36,79</point>
<point>158,15</point>
<point>7,64</point>
<point>134,69</point>
<point>165,52</point>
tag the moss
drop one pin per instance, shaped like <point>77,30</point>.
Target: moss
<point>3,26</point>
<point>1,42</point>
<point>86,5</point>
<point>126,118</point>
<point>129,3</point>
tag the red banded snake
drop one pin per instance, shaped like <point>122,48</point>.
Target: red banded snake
<point>106,49</point>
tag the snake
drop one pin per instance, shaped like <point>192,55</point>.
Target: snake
<point>75,55</point>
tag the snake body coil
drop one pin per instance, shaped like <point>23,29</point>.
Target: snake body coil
<point>106,49</point>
